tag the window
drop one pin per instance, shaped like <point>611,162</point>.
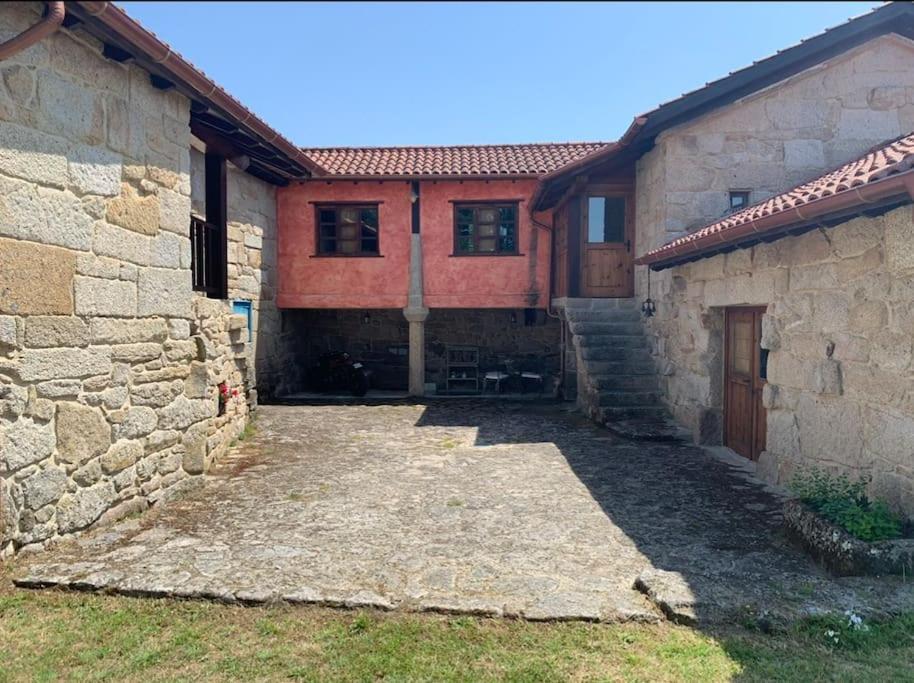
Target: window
<point>605,219</point>
<point>347,230</point>
<point>739,199</point>
<point>209,237</point>
<point>485,229</point>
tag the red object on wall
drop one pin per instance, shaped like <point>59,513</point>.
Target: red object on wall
<point>307,280</point>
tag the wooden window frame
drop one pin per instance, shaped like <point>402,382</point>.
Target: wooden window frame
<point>733,193</point>
<point>336,206</point>
<point>487,204</point>
<point>209,236</point>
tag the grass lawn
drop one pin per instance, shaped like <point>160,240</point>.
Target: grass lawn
<point>54,635</point>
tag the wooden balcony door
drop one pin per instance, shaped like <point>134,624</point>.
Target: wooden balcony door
<point>745,371</point>
<point>607,228</point>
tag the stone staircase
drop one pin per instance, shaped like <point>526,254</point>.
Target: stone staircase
<point>618,384</point>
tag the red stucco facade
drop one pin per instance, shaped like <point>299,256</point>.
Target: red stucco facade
<point>310,281</point>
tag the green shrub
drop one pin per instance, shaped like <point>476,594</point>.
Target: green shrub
<point>845,503</point>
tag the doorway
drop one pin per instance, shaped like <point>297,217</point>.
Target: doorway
<point>607,228</point>
<point>745,376</point>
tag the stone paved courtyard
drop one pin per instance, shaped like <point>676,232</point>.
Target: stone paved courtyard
<point>466,506</point>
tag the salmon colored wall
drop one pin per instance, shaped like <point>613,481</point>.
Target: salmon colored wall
<point>482,281</point>
<point>309,281</point>
<point>306,281</point>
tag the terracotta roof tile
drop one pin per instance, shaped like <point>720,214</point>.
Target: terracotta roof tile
<point>463,160</point>
<point>888,159</point>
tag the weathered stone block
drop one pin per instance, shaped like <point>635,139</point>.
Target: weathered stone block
<point>165,292</point>
<point>9,334</point>
<point>59,388</point>
<point>35,279</point>
<point>161,440</point>
<point>136,353</point>
<point>32,155</point>
<point>899,240</point>
<point>120,456</point>
<point>134,212</point>
<point>82,433</point>
<point>174,212</point>
<point>197,383</point>
<point>95,296</point>
<point>179,329</point>
<point>44,487</point>
<point>137,423</point>
<point>71,110</point>
<point>117,331</point>
<point>828,377</point>
<point>88,474</point>
<point>80,509</point>
<point>51,331</point>
<point>182,413</point>
<point>95,170</point>
<point>24,443</point>
<point>46,364</point>
<point>156,394</point>
<point>121,244</point>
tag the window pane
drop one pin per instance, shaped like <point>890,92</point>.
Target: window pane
<point>487,244</point>
<point>328,246</point>
<point>370,218</point>
<point>328,230</point>
<point>349,215</point>
<point>506,237</point>
<point>464,230</point>
<point>348,246</point>
<point>465,215</point>
<point>506,214</point>
<point>486,215</point>
<point>465,245</point>
<point>370,245</point>
<point>605,219</point>
<point>487,229</point>
<point>327,216</point>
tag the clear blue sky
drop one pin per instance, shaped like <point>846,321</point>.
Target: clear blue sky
<point>329,74</point>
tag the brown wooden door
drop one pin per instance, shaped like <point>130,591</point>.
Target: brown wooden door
<point>606,245</point>
<point>744,378</point>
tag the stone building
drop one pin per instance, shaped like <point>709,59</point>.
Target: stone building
<point>166,257</point>
<point>112,358</point>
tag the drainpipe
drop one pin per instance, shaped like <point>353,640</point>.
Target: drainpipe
<point>51,21</point>
<point>416,311</point>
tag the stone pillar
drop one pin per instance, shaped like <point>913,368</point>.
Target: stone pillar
<point>416,318</point>
<point>416,313</point>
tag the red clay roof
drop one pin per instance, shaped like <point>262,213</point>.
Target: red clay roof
<point>886,160</point>
<point>461,160</point>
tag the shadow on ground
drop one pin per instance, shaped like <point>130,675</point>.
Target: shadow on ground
<point>486,508</point>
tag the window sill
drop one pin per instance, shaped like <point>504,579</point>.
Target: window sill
<point>487,255</point>
<point>346,256</point>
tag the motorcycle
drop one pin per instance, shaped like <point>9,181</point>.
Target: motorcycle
<point>337,371</point>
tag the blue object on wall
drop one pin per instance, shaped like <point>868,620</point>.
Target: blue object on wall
<point>243,307</point>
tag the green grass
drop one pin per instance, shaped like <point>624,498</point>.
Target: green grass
<point>54,635</point>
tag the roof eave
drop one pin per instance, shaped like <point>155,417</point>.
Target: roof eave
<point>770,226</point>
<point>157,57</point>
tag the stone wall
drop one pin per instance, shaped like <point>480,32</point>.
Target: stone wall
<point>851,286</point>
<point>382,341</point>
<point>252,260</point>
<point>109,364</point>
<point>772,140</point>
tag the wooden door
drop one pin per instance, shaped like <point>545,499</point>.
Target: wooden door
<point>606,245</point>
<point>745,370</point>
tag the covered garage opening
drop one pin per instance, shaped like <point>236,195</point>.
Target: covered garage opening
<point>505,352</point>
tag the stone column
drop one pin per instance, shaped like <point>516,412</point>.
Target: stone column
<point>416,318</point>
<point>416,313</point>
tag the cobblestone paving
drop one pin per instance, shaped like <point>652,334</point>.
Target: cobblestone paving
<point>471,507</point>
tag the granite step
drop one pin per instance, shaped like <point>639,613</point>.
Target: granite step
<point>612,341</point>
<point>616,316</point>
<point>609,353</point>
<point>653,413</point>
<point>665,430</point>
<point>628,398</point>
<point>599,328</point>
<point>600,368</point>
<point>646,381</point>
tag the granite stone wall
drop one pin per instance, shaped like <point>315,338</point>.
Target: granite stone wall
<point>851,288</point>
<point>109,363</point>
<point>791,132</point>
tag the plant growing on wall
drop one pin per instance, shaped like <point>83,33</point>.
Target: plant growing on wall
<point>225,393</point>
<point>845,503</point>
